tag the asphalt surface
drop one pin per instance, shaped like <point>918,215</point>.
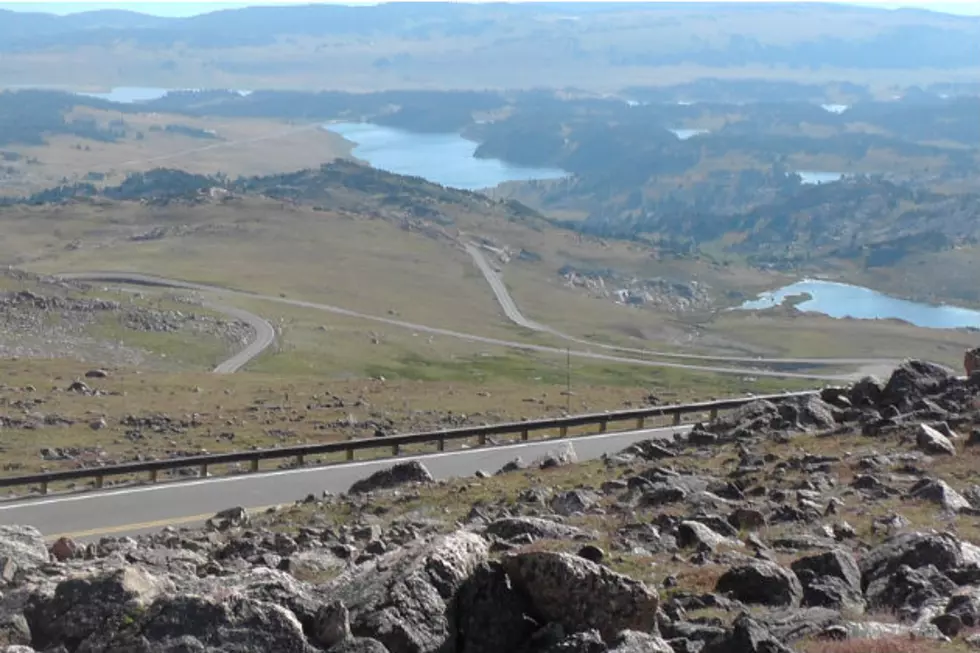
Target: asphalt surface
<point>141,509</point>
<point>514,314</point>
<point>144,279</point>
<point>265,335</point>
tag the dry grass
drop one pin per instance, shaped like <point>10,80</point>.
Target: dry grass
<point>878,645</point>
<point>246,147</point>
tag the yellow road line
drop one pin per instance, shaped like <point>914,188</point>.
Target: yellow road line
<point>160,523</point>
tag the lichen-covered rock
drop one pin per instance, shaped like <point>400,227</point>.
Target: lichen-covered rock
<point>407,599</point>
<point>579,594</point>
<point>761,582</point>
<point>392,477</point>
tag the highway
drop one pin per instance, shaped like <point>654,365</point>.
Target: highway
<point>150,280</point>
<point>142,509</point>
<point>514,314</point>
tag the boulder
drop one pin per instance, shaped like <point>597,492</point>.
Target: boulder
<point>573,502</point>
<point>359,645</point>
<point>406,599</point>
<point>934,443</point>
<point>631,641</point>
<point>236,517</point>
<point>85,608</point>
<point>64,548</point>
<point>492,613</point>
<point>185,623</point>
<point>332,624</point>
<point>914,380</point>
<point>914,550</point>
<point>534,528</point>
<point>838,563</point>
<point>762,582</point>
<point>392,477</point>
<point>24,546</point>
<point>692,534</point>
<point>580,595</point>
<point>909,589</point>
<point>746,636</point>
<point>939,492</point>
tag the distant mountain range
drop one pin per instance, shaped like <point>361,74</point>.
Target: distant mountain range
<point>710,34</point>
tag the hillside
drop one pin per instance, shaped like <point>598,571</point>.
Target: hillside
<point>775,529</point>
<point>586,45</point>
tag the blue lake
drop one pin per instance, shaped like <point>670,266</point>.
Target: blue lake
<point>445,159</point>
<point>131,94</point>
<point>840,300</point>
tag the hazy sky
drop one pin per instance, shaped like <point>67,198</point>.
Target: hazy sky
<point>184,8</point>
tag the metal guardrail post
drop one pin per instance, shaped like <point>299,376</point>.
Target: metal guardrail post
<point>300,460</point>
<point>563,431</point>
<point>603,426</point>
<point>640,422</point>
<point>44,487</point>
<point>525,435</point>
<point>677,419</point>
<point>99,482</point>
<point>153,475</point>
<point>350,453</point>
<point>396,449</point>
<point>483,439</point>
<point>255,465</point>
<point>441,444</point>
<point>714,414</point>
<point>204,471</point>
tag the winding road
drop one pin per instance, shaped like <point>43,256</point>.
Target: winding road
<point>133,278</point>
<point>514,314</point>
<point>265,335</point>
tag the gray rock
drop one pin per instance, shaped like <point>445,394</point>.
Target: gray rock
<point>692,533</point>
<point>940,492</point>
<point>406,599</point>
<point>573,502</point>
<point>762,582</point>
<point>589,641</point>
<point>631,641</point>
<point>86,608</point>
<point>913,380</point>
<point>236,517</point>
<point>579,594</point>
<point>179,624</point>
<point>932,442</point>
<point>746,636</point>
<point>314,566</point>
<point>536,528</point>
<point>392,477</point>
<point>837,563</point>
<point>24,546</point>
<point>359,645</point>
<point>912,549</point>
<point>332,624</point>
<point>492,613</point>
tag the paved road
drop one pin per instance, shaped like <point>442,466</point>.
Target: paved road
<point>265,335</point>
<point>144,279</point>
<point>514,314</point>
<point>130,511</point>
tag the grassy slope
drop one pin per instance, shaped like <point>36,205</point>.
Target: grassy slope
<point>246,147</point>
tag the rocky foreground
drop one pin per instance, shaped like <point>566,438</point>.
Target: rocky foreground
<point>843,522</point>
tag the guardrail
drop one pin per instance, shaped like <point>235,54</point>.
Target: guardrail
<point>395,442</point>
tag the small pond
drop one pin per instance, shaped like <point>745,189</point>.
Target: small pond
<point>840,300</point>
